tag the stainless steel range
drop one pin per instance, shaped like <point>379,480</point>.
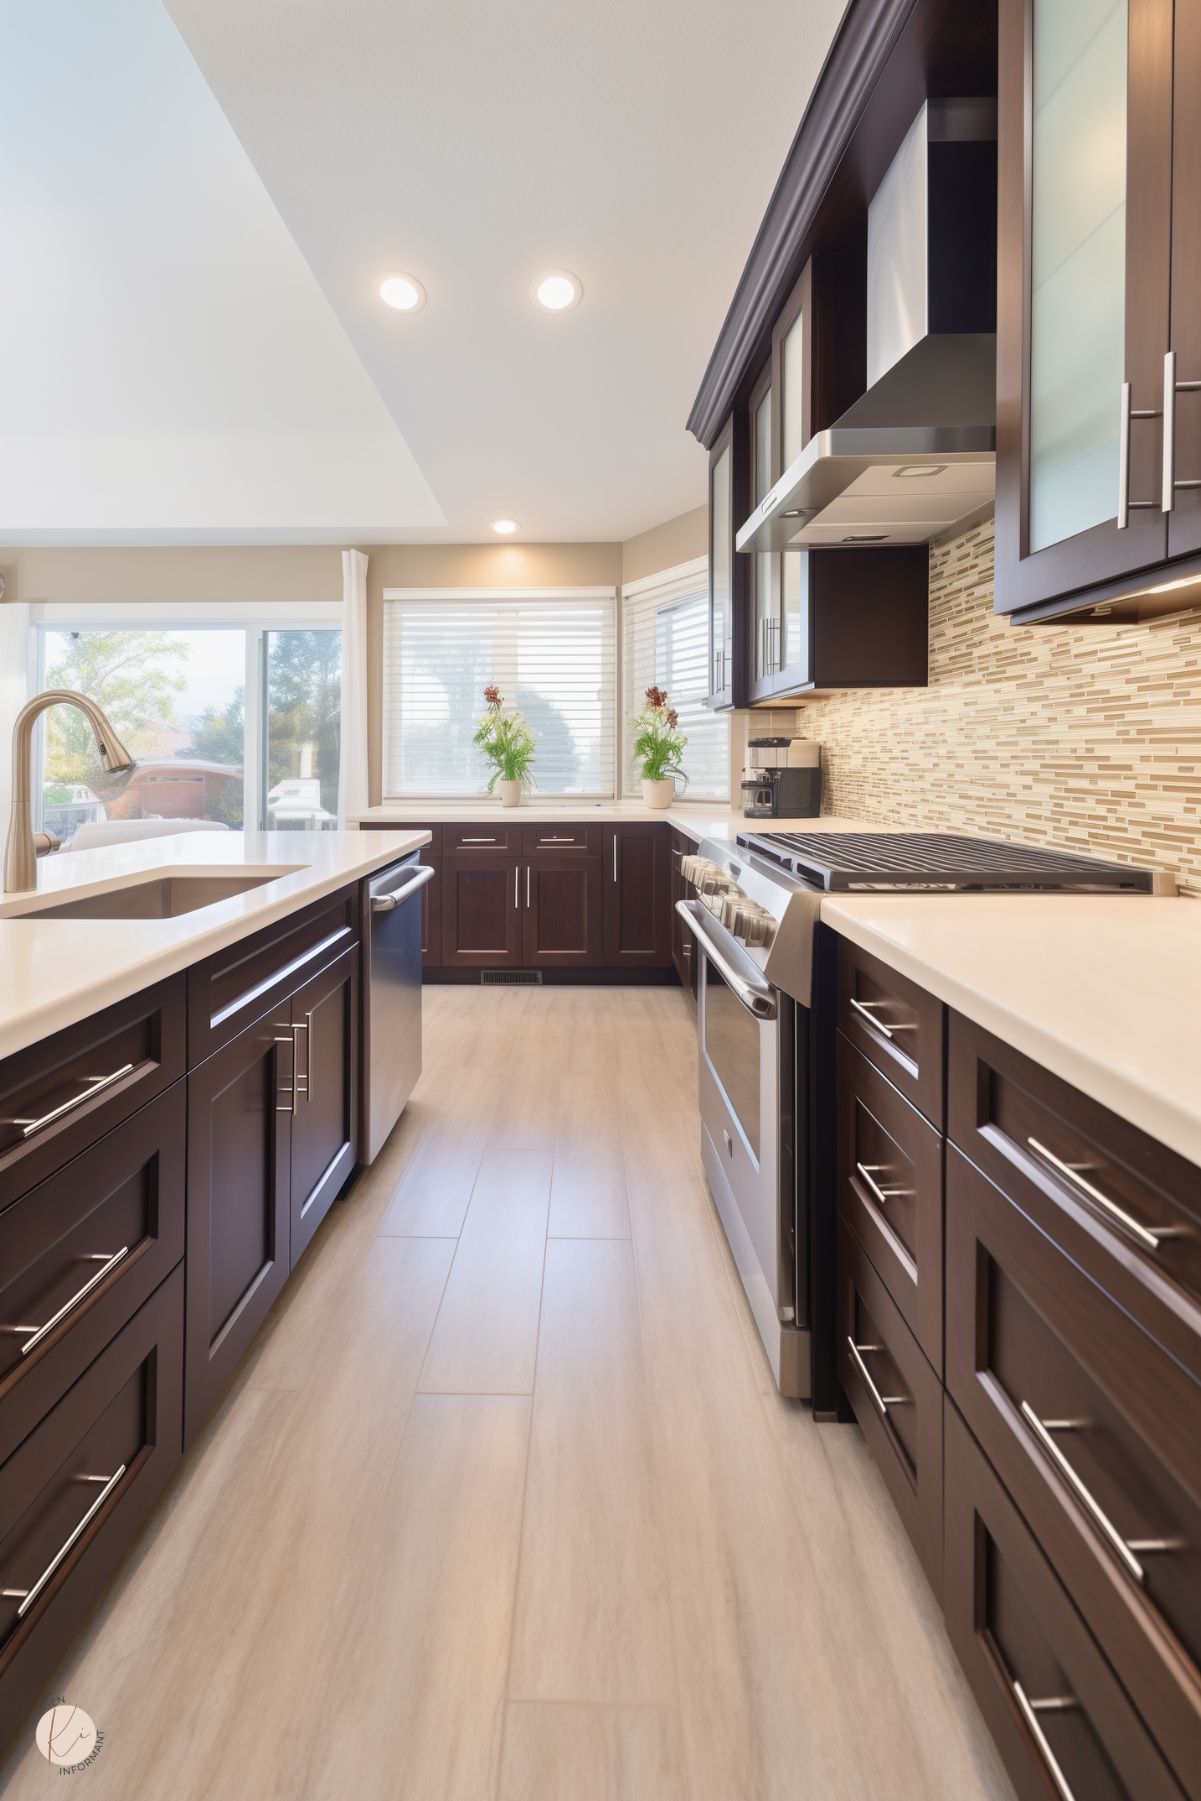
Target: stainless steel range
<point>765,1041</point>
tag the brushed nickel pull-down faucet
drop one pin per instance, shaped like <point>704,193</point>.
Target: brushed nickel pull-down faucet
<point>25,845</point>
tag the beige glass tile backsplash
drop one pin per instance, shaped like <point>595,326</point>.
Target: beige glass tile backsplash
<point>1086,737</point>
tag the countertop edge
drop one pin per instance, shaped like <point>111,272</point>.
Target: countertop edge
<point>1138,1103</point>
<point>37,1022</point>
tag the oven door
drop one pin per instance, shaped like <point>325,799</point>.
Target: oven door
<point>746,1080</point>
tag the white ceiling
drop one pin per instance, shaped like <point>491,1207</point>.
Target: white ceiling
<point>185,375</point>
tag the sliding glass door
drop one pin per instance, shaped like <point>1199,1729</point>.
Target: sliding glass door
<point>232,725</point>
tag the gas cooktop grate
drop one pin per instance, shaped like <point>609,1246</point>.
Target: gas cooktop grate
<point>937,860</point>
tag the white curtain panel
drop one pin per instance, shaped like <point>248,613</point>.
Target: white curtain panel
<point>352,766</point>
<point>14,687</point>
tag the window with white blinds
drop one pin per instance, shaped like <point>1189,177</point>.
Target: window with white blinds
<point>550,652</point>
<point>665,626</point>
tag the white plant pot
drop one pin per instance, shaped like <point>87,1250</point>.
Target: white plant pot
<point>510,793</point>
<point>659,794</point>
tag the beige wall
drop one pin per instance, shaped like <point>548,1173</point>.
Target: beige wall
<point>1080,736</point>
<point>677,540</point>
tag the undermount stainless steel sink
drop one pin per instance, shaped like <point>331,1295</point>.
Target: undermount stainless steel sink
<point>158,897</point>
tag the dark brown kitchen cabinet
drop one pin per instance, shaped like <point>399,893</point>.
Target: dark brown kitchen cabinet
<point>561,916</point>
<point>240,1110</point>
<point>1061,1720</point>
<point>728,499</point>
<point>682,951</point>
<point>59,1096</point>
<point>481,909</point>
<point>325,1109</point>
<point>636,872</point>
<point>1096,1433</point>
<point>1100,254</point>
<point>75,1493</point>
<point>81,1252</point>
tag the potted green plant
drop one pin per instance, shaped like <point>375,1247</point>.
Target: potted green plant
<point>508,743</point>
<point>658,747</point>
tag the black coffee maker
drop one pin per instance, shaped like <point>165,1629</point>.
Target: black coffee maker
<point>782,779</point>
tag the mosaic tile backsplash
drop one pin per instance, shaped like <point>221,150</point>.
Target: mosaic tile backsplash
<point>1084,737</point>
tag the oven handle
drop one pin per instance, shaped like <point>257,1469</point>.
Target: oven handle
<point>758,1000</point>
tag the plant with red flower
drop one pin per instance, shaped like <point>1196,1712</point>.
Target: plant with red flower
<point>506,741</point>
<point>658,741</point>
<point>656,698</point>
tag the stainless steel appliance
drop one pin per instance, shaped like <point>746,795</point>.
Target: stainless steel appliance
<point>765,1027</point>
<point>916,453</point>
<point>782,779</point>
<point>391,932</point>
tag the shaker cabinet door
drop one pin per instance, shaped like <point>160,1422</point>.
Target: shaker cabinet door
<point>324,1122</point>
<point>561,922</point>
<point>1085,229</point>
<point>481,910</point>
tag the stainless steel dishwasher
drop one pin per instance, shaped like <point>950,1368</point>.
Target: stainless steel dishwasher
<point>391,996</point>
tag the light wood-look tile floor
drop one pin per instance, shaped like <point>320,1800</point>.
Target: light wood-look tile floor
<point>502,1505</point>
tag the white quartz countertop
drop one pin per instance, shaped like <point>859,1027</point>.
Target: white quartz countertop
<point>1103,990</point>
<point>56,971</point>
<point>700,819</point>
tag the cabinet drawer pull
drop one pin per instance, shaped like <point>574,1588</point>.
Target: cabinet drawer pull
<point>106,1261</point>
<point>303,1082</point>
<point>883,1402</point>
<point>527,885</point>
<point>30,1126</point>
<point>1145,1236</point>
<point>568,840</point>
<point>477,840</point>
<point>28,1596</point>
<point>865,1008</point>
<point>881,1196</point>
<point>1042,1430</point>
<point>294,1087</point>
<point>1030,1711</point>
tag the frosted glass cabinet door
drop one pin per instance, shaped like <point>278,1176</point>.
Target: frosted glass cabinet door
<point>1084,247</point>
<point>765,566</point>
<point>1077,263</point>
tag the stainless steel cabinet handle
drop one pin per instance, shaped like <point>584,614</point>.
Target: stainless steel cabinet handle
<point>30,1126</point>
<point>1042,1430</point>
<point>301,1084</point>
<point>477,840</point>
<point>883,1402</point>
<point>865,1008</point>
<point>1172,387</point>
<point>107,1261</point>
<point>29,1595</point>
<point>878,1194</point>
<point>615,855</point>
<point>1029,1711</point>
<point>1146,1237</point>
<point>527,885</point>
<point>567,840</point>
<point>1126,415</point>
<point>516,874</point>
<point>291,1090</point>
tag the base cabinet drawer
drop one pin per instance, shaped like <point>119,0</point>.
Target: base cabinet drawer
<point>897,1026</point>
<point>1096,1433</point>
<point>1062,1722</point>
<point>896,1396</point>
<point>81,1252</point>
<point>74,1494</point>
<point>1123,1207</point>
<point>889,1172</point>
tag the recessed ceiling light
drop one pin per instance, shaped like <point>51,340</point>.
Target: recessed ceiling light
<point>403,292</point>
<point>559,291</point>
<point>506,527</point>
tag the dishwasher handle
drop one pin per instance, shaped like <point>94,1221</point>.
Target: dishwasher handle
<point>384,903</point>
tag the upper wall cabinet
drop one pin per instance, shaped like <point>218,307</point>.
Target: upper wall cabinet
<point>728,470</point>
<point>1099,330</point>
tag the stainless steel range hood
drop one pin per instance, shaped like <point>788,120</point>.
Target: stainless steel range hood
<point>916,454</point>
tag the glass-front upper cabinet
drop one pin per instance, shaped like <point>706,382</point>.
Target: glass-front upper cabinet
<point>727,578</point>
<point>764,573</point>
<point>1085,174</point>
<point>792,372</point>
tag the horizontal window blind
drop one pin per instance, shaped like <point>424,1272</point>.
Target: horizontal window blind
<point>665,626</point>
<point>551,653</point>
